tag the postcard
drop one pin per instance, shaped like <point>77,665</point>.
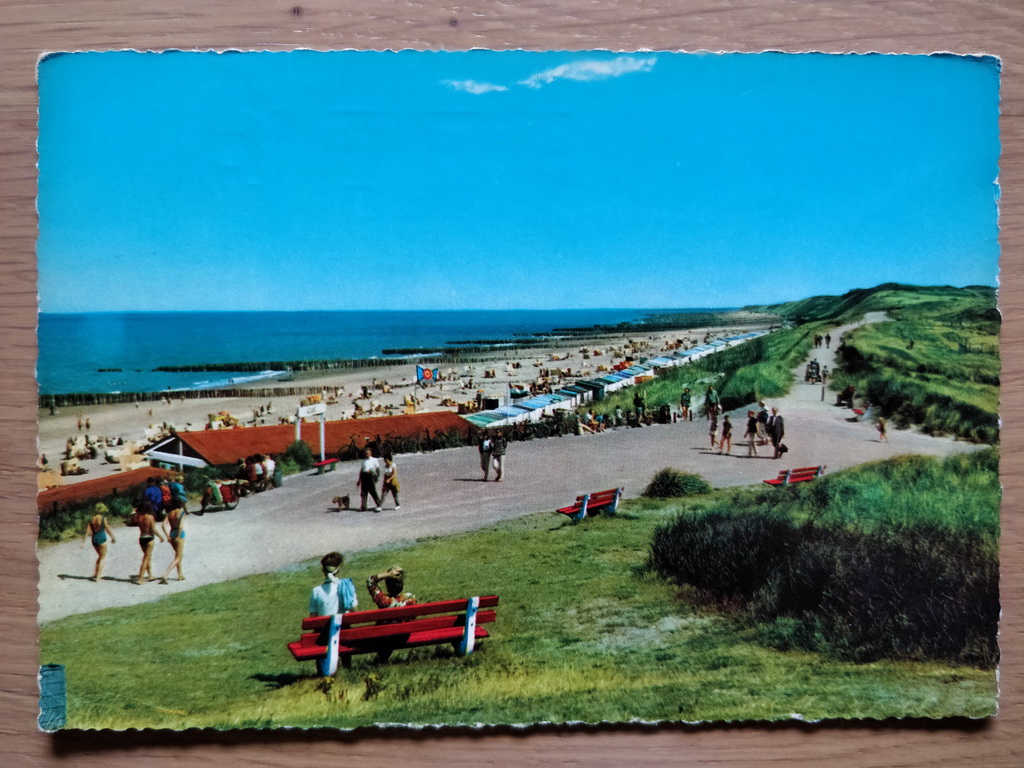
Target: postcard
<point>487,388</point>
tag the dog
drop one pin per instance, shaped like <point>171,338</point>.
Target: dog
<point>341,502</point>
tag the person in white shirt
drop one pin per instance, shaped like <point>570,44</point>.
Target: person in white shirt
<point>269,466</point>
<point>369,473</point>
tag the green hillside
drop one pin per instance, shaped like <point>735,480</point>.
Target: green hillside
<point>978,301</point>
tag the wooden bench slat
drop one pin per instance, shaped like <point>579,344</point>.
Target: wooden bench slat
<point>307,652</point>
<point>415,640</point>
<point>372,616</point>
<point>378,631</point>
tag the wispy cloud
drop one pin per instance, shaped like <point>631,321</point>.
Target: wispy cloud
<point>471,86</point>
<point>586,71</point>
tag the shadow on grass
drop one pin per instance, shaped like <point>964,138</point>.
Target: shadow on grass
<point>275,682</point>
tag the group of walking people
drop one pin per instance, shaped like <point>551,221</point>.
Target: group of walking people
<point>159,514</point>
<point>370,471</point>
<point>492,447</point>
<point>761,428</point>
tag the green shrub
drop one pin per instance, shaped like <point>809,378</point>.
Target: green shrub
<point>726,553</point>
<point>670,484</point>
<point>897,559</point>
<point>299,454</point>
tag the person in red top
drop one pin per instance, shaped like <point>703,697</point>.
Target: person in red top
<point>393,595</point>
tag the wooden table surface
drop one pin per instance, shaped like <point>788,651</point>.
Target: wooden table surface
<point>29,28</point>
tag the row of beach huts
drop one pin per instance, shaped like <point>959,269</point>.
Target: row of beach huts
<point>535,407</point>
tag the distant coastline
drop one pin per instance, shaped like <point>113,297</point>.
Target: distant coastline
<point>145,353</point>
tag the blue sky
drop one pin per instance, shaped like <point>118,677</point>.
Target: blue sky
<point>415,180</point>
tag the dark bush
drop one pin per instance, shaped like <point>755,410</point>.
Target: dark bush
<point>672,484</point>
<point>919,591</point>
<point>729,554</point>
<point>300,454</point>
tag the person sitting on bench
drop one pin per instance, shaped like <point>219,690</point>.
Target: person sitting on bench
<point>394,594</point>
<point>334,595</point>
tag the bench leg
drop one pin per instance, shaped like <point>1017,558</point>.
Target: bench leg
<point>469,634</point>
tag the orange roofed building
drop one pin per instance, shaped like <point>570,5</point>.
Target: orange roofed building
<point>225,446</point>
<point>128,483</point>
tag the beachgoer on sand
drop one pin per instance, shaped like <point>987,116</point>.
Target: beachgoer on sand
<point>881,427</point>
<point>99,530</point>
<point>713,429</point>
<point>369,473</point>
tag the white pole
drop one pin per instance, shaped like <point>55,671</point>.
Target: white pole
<point>323,422</point>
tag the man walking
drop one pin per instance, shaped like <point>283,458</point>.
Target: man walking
<point>486,447</point>
<point>776,431</point>
<point>498,454</point>
<point>369,472</point>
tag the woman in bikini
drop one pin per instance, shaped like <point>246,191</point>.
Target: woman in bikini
<point>98,528</point>
<point>147,533</point>
<point>176,536</point>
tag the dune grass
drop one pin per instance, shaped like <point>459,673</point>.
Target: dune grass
<point>895,559</point>
<point>934,366</point>
<point>585,631</point>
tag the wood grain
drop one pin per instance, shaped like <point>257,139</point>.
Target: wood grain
<point>31,27</point>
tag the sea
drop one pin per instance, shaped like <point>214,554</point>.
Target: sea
<point>119,351</point>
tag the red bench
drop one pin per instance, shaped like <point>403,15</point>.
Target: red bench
<point>593,504</point>
<point>339,637</point>
<point>327,465</point>
<point>801,475</point>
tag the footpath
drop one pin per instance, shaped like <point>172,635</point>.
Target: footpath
<point>443,494</point>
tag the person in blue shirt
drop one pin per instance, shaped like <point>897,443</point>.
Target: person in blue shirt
<point>335,595</point>
<point>154,496</point>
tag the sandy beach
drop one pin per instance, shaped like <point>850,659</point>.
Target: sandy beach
<point>388,388</point>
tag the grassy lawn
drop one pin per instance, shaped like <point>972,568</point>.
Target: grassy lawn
<point>584,632</point>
